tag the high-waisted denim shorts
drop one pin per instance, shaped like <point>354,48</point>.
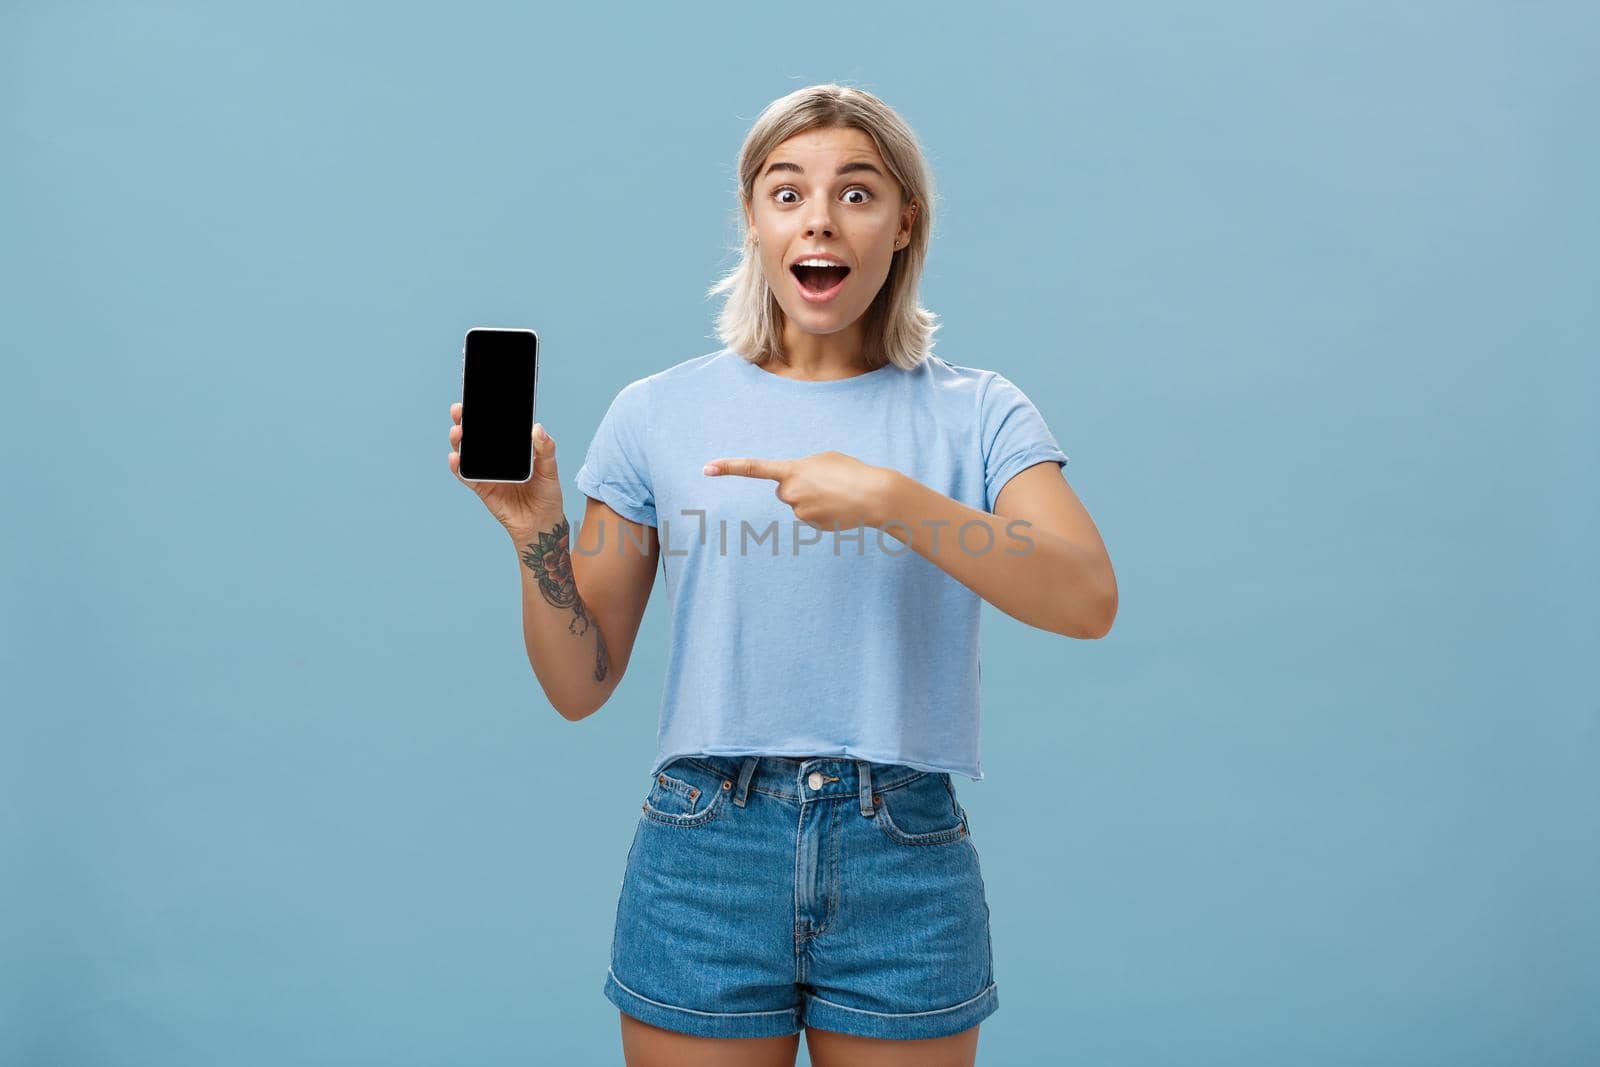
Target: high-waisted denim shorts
<point>765,894</point>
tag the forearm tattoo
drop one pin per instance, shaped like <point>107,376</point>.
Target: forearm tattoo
<point>550,558</point>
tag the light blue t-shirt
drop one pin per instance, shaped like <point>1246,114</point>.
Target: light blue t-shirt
<point>793,640</point>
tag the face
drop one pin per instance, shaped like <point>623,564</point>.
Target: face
<point>803,206</point>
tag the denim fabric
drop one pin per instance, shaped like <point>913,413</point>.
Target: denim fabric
<point>765,894</point>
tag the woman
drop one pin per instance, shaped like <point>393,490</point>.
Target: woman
<point>829,502</point>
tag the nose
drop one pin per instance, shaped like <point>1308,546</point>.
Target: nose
<point>820,221</point>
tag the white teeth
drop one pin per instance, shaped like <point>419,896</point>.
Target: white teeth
<point>817,263</point>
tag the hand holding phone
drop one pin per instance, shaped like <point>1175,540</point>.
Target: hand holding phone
<point>506,458</point>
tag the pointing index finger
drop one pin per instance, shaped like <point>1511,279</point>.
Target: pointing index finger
<point>747,468</point>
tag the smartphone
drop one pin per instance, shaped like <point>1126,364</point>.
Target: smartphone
<point>499,377</point>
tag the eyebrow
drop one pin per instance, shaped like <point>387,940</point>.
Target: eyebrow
<point>848,168</point>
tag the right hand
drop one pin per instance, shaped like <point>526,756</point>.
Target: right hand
<point>523,508</point>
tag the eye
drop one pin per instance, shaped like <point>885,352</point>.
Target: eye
<point>778,193</point>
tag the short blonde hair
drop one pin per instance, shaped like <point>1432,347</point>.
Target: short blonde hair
<point>897,329</point>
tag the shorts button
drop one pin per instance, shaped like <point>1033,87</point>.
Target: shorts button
<point>815,780</point>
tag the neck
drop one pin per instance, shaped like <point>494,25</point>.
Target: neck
<point>824,355</point>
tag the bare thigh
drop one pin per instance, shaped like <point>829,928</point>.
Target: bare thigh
<point>644,1045</point>
<point>830,1049</point>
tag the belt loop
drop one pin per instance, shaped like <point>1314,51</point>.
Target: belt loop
<point>745,774</point>
<point>864,776</point>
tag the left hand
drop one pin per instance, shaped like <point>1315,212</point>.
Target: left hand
<point>829,490</point>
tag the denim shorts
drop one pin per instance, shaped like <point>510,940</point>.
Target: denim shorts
<point>765,894</point>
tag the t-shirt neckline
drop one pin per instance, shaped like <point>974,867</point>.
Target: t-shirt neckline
<point>781,382</point>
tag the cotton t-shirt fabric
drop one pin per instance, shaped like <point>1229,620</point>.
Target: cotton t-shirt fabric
<point>793,640</point>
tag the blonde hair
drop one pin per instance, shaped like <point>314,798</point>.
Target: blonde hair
<point>897,329</point>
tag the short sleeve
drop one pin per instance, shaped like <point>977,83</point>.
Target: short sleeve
<point>1014,435</point>
<point>616,469</point>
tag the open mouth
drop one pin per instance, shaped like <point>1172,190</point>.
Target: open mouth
<point>820,281</point>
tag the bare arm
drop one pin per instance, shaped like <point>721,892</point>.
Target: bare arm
<point>581,612</point>
<point>1038,558</point>
<point>1061,582</point>
<point>569,601</point>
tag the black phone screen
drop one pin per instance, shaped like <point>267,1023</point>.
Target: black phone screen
<point>499,373</point>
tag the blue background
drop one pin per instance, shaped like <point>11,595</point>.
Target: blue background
<point>1307,291</point>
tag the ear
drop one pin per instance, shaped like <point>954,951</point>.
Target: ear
<point>907,217</point>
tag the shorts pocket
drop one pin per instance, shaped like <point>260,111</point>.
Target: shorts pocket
<point>922,811</point>
<point>684,794</point>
